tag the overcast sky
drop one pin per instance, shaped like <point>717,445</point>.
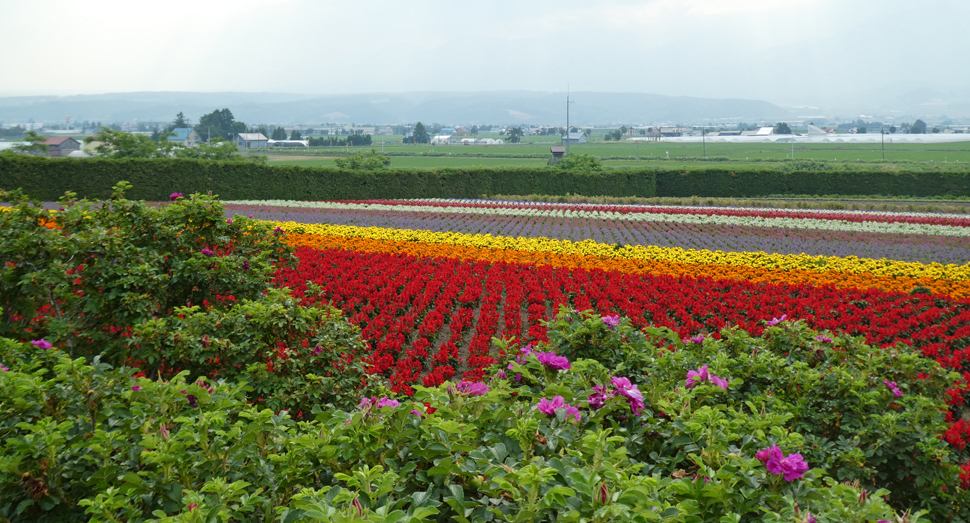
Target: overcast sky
<point>789,52</point>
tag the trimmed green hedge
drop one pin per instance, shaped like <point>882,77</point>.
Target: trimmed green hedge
<point>154,180</point>
<point>736,183</point>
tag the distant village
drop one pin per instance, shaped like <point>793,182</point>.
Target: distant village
<point>67,139</point>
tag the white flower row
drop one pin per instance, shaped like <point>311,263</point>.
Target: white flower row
<point>876,214</point>
<point>746,221</point>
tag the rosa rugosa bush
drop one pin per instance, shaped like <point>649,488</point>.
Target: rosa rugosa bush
<point>83,441</point>
<point>81,277</point>
<point>829,388</point>
<point>294,357</point>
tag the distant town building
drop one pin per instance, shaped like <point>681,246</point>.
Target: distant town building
<point>762,131</point>
<point>288,143</point>
<point>672,132</point>
<point>61,146</point>
<point>574,138</point>
<point>251,141</point>
<point>185,136</point>
<point>814,130</point>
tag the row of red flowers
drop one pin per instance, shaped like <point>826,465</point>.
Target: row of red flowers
<point>427,319</point>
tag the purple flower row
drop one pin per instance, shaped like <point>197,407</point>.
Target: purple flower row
<point>728,238</point>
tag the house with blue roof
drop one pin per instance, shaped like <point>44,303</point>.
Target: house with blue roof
<point>186,136</point>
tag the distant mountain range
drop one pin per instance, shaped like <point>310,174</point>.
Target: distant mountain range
<point>497,108</point>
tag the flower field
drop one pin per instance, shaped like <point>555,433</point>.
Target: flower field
<point>490,375</point>
<point>431,282</point>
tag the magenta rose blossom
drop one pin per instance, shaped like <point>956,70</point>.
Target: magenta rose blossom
<point>772,452</point>
<point>696,377</point>
<point>599,396</point>
<point>611,321</point>
<point>720,382</point>
<point>472,388</point>
<point>549,407</point>
<point>776,321</point>
<point>891,385</point>
<point>792,466</point>
<point>551,361</point>
<point>41,344</point>
<point>387,402</point>
<point>630,392</point>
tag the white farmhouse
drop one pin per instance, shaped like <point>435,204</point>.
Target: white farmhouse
<point>251,141</point>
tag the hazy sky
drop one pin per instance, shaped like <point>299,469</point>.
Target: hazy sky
<point>785,51</point>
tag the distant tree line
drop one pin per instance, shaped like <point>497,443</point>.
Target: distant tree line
<point>353,140</point>
<point>120,144</point>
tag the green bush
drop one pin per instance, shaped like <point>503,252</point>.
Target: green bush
<point>829,388</point>
<point>85,275</point>
<point>155,179</point>
<point>171,288</point>
<point>295,357</point>
<point>82,440</point>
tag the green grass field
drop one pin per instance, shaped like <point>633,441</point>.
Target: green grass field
<point>426,162</point>
<point>915,157</point>
<point>949,156</point>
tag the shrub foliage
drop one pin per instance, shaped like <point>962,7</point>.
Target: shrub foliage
<point>154,180</point>
<point>170,288</point>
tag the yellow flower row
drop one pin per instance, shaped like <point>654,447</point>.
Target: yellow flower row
<point>785,262</point>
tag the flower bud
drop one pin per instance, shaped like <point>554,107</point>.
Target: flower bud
<point>604,494</point>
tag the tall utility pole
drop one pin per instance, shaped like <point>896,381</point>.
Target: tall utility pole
<point>567,122</point>
<point>882,136</point>
<point>704,140</point>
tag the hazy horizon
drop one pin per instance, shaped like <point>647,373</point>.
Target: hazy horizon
<point>812,53</point>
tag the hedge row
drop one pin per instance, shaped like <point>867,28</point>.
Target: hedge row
<point>153,180</point>
<point>754,183</point>
<point>49,178</point>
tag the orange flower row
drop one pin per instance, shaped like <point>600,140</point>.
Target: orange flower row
<point>957,289</point>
